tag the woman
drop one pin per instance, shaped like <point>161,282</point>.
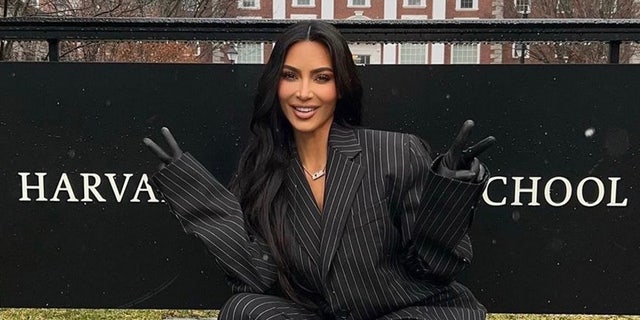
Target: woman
<point>325,220</point>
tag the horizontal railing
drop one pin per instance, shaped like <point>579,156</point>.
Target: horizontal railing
<point>55,29</point>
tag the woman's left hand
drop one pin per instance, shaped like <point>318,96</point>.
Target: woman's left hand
<point>462,164</point>
<point>165,158</point>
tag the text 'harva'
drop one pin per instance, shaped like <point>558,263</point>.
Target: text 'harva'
<point>88,187</point>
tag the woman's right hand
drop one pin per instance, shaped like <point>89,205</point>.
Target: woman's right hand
<point>462,164</point>
<point>174,150</point>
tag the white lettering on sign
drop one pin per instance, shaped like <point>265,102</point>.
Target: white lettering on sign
<point>90,183</point>
<point>527,187</point>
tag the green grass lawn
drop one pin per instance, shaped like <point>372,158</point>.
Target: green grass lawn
<point>101,314</point>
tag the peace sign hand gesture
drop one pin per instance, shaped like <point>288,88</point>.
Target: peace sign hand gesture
<point>174,150</point>
<point>462,164</point>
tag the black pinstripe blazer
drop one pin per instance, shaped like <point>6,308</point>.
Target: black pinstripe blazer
<point>388,243</point>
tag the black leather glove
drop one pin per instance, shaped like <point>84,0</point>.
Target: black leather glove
<point>174,150</point>
<point>462,164</point>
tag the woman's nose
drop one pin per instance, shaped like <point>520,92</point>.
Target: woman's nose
<point>304,91</point>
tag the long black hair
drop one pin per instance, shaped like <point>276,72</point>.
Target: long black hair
<point>260,181</point>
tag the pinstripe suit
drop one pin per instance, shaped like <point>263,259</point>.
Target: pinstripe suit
<point>390,239</point>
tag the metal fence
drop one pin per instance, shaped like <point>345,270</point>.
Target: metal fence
<point>53,30</point>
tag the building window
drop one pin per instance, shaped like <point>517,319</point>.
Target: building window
<point>413,53</point>
<point>516,50</point>
<point>303,3</point>
<point>358,3</point>
<point>250,53</point>
<point>563,6</point>
<point>190,5</point>
<point>361,59</point>
<point>465,54</point>
<point>466,4</point>
<point>365,54</point>
<point>249,4</point>
<point>608,8</point>
<point>415,4</point>
<point>523,6</point>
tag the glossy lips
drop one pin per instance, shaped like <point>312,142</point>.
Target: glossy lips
<point>304,112</point>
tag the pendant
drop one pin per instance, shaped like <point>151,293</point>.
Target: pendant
<point>318,174</point>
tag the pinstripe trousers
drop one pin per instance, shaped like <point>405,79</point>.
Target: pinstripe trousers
<point>388,243</point>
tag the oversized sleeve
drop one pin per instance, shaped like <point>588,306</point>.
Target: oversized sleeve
<point>208,210</point>
<point>438,212</point>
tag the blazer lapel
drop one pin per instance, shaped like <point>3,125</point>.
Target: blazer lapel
<point>305,217</point>
<point>343,180</point>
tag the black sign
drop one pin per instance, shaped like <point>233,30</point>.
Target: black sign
<point>80,226</point>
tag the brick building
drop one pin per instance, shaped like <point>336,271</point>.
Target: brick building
<point>399,53</point>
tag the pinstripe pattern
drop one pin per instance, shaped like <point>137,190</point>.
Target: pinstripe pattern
<point>388,244</point>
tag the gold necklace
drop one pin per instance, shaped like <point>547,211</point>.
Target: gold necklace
<point>316,175</point>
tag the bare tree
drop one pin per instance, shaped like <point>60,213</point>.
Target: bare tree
<point>163,51</point>
<point>596,52</point>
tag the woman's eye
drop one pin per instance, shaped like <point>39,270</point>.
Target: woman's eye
<point>323,77</point>
<point>288,75</point>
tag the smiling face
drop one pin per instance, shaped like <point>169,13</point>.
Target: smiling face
<point>307,89</point>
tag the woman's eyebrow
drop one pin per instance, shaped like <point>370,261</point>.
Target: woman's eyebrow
<point>317,70</point>
<point>294,69</point>
<point>321,69</point>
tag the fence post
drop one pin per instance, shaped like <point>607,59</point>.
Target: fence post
<point>614,51</point>
<point>54,53</point>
